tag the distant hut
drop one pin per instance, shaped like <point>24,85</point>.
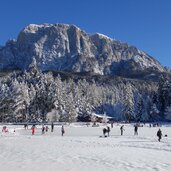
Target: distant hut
<point>101,118</point>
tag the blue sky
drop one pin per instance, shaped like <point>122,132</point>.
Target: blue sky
<point>143,23</point>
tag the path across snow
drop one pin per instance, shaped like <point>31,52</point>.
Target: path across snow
<point>82,149</point>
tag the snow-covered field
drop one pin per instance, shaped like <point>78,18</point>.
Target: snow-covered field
<point>83,149</point>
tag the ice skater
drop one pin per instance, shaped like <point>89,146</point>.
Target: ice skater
<point>135,129</point>
<point>52,127</point>
<point>159,134</point>
<point>43,129</point>
<point>108,130</point>
<point>62,130</point>
<point>111,124</point>
<point>47,128</point>
<point>33,129</point>
<point>25,125</point>
<point>104,132</point>
<point>122,129</point>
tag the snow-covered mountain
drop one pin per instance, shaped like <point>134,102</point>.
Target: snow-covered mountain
<point>91,73</point>
<point>62,47</point>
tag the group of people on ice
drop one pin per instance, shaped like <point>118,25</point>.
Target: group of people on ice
<point>135,129</point>
<point>107,131</point>
<point>46,128</point>
<point>62,129</point>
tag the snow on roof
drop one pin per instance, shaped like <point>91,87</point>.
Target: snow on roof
<point>101,115</point>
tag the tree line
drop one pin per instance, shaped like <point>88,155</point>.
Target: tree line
<point>34,96</point>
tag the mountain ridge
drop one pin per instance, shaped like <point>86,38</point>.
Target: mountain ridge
<point>64,47</point>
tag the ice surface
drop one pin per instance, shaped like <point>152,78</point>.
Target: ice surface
<point>84,148</point>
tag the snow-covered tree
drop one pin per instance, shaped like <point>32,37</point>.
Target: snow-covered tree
<point>85,107</point>
<point>164,98</point>
<point>139,109</point>
<point>70,108</point>
<point>33,95</point>
<point>53,116</point>
<point>128,103</point>
<point>154,113</point>
<point>168,113</point>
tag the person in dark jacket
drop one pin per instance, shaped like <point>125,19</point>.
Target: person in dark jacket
<point>159,134</point>
<point>25,126</point>
<point>122,129</point>
<point>43,129</point>
<point>62,130</point>
<point>104,132</point>
<point>135,129</point>
<point>111,124</point>
<point>52,127</point>
<point>108,130</point>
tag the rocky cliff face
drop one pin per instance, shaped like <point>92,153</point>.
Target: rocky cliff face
<point>63,47</point>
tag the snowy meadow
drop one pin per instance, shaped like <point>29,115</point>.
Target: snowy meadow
<point>84,148</point>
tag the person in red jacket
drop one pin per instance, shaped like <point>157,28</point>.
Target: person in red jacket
<point>47,128</point>
<point>33,129</point>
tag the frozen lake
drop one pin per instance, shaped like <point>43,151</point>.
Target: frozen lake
<point>83,149</point>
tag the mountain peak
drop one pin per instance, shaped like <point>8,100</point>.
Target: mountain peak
<point>68,48</point>
<point>102,36</point>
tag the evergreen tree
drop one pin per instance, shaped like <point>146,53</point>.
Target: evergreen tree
<point>70,108</point>
<point>154,113</point>
<point>164,95</point>
<point>140,109</point>
<point>168,113</point>
<point>128,103</point>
